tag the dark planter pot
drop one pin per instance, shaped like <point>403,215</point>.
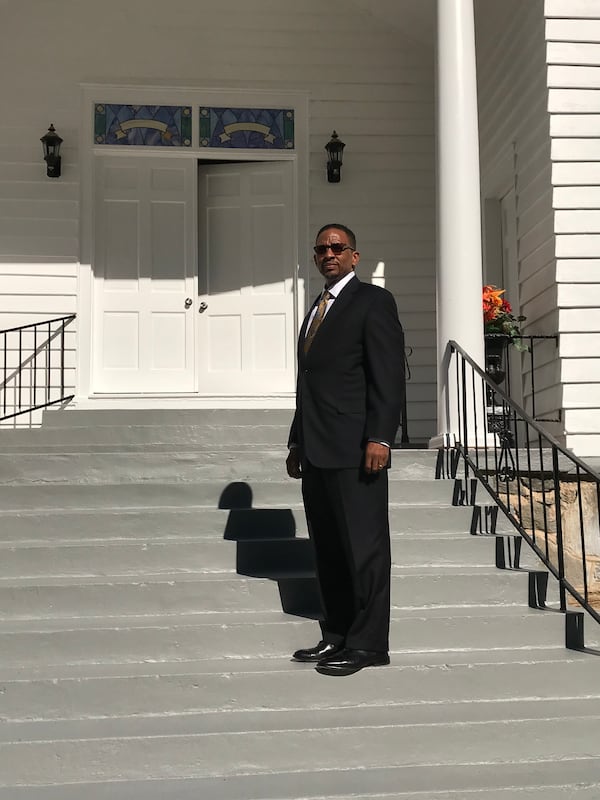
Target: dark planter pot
<point>496,345</point>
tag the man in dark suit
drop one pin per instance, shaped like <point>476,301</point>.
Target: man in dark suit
<point>348,403</point>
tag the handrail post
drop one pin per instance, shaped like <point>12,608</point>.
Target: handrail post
<point>559,531</point>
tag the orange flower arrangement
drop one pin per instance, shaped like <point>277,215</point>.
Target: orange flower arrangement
<point>498,317</point>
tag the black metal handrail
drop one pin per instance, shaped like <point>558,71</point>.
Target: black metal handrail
<point>33,367</point>
<point>550,495</point>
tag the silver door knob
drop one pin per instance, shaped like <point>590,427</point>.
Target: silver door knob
<point>188,302</point>
<point>202,308</point>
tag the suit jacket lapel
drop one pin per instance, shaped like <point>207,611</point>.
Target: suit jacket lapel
<point>339,304</point>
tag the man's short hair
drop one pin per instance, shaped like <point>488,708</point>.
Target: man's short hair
<point>349,233</point>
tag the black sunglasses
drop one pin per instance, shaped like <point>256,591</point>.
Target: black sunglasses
<point>337,248</point>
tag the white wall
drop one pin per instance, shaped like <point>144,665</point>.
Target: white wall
<point>365,80</point>
<point>515,152</point>
<point>573,54</point>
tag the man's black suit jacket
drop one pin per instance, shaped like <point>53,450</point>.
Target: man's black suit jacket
<point>351,382</point>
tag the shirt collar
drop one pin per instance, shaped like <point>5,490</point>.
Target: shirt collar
<point>337,287</point>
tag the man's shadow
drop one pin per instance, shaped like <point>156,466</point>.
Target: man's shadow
<point>267,547</point>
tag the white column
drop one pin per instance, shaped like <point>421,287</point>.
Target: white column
<point>459,267</point>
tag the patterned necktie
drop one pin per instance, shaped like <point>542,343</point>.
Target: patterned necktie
<point>317,320</point>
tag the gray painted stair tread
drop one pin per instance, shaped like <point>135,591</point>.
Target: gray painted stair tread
<point>15,624</point>
<point>571,780</point>
<point>144,495</point>
<point>568,780</point>
<point>379,746</point>
<point>101,467</point>
<point>125,598</point>
<point>379,712</point>
<point>305,635</point>
<point>155,558</point>
<point>132,649</point>
<point>59,524</point>
<point>154,643</point>
<point>160,417</point>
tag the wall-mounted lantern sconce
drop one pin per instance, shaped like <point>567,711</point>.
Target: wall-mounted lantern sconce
<point>51,143</point>
<point>334,148</point>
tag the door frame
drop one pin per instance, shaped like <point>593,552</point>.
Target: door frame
<point>89,151</point>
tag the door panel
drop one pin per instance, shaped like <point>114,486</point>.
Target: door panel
<point>247,267</point>
<point>143,273</point>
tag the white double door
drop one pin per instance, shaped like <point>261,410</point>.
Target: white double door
<point>193,277</point>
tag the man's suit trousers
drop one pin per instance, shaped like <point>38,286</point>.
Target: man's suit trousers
<point>347,514</point>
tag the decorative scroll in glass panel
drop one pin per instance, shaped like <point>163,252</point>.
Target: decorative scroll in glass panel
<point>250,128</point>
<point>152,126</point>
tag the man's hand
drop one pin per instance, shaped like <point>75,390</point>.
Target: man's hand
<point>376,457</point>
<point>293,463</point>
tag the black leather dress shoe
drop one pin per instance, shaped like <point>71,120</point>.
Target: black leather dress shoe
<point>347,661</point>
<point>317,653</point>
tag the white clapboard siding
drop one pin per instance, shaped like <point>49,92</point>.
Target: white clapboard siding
<point>573,54</point>
<point>572,173</point>
<point>576,197</point>
<point>579,125</point>
<point>538,282</point>
<point>575,150</point>
<point>584,395</point>
<point>573,101</point>
<point>569,77</point>
<point>580,295</point>
<point>577,221</point>
<point>577,245</point>
<point>371,83</point>
<point>515,149</point>
<point>573,30</point>
<point>577,270</point>
<point>571,9</point>
<point>580,370</point>
<point>581,421</point>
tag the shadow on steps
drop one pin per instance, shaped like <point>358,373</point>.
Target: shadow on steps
<point>267,547</point>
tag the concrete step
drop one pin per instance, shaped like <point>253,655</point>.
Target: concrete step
<point>212,756</point>
<point>143,657</point>
<point>189,703</point>
<point>159,417</point>
<point>573,780</point>
<point>41,597</point>
<point>117,435</point>
<point>24,527</point>
<point>547,780</point>
<point>160,464</point>
<point>118,706</point>
<point>254,663</point>
<point>156,640</point>
<point>214,493</point>
<point>253,555</point>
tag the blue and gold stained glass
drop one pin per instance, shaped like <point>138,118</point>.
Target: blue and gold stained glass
<point>253,128</point>
<point>152,126</point>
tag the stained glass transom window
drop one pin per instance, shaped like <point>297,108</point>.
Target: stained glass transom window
<point>260,128</point>
<point>155,126</point>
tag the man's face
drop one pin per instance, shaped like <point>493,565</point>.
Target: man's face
<point>334,266</point>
